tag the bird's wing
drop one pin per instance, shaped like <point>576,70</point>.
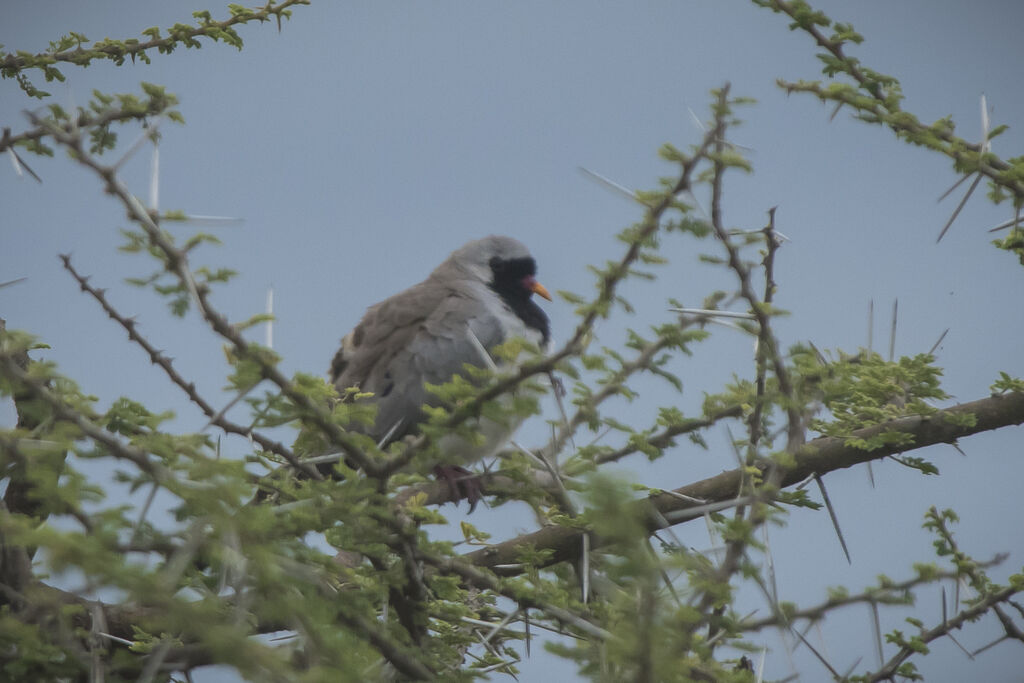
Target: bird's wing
<point>420,336</point>
<point>385,327</point>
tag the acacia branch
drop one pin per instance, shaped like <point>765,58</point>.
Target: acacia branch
<point>481,579</point>
<point>12,63</point>
<point>819,456</point>
<point>123,620</point>
<point>176,263</point>
<point>613,385</point>
<point>885,108</point>
<point>666,437</point>
<point>157,358</point>
<point>984,604</point>
<point>899,593</point>
<point>767,345</point>
<point>84,120</point>
<point>37,389</point>
<point>768,353</point>
<point>19,497</point>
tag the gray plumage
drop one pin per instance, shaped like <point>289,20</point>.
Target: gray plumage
<point>422,335</point>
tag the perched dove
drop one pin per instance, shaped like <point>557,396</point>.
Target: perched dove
<point>479,297</point>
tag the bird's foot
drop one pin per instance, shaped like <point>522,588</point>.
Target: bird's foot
<point>461,482</point>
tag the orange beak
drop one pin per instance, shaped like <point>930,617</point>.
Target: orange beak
<point>537,288</point>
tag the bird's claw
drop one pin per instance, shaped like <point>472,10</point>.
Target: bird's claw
<point>462,483</point>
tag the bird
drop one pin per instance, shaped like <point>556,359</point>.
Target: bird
<point>479,297</point>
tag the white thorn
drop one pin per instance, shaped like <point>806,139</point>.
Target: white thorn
<point>391,432</point>
<point>198,218</point>
<point>986,144</point>
<point>696,120</point>
<point>621,189</point>
<point>676,516</point>
<point>147,134</point>
<point>710,313</point>
<point>14,161</point>
<point>499,626</point>
<point>484,356</point>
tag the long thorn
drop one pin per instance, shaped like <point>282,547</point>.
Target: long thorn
<point>942,336</point>
<point>611,184</point>
<point>1012,223</point>
<point>876,626</point>
<point>231,404</point>
<point>145,510</point>
<point>956,211</point>
<point>12,282</point>
<point>955,185</point>
<point>147,133</point>
<point>832,515</point>
<point>502,624</point>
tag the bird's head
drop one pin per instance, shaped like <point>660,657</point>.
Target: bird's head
<point>503,263</point>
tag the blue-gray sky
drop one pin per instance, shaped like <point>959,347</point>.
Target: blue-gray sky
<point>367,140</point>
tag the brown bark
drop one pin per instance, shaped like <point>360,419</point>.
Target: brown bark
<point>819,456</point>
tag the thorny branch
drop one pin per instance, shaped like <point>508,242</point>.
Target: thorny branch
<point>665,437</point>
<point>118,50</point>
<point>886,108</point>
<point>898,593</point>
<point>768,354</point>
<point>165,363</point>
<point>613,386</point>
<point>483,579</point>
<point>176,262</point>
<point>984,604</point>
<point>84,120</point>
<point>819,456</point>
<point>62,411</point>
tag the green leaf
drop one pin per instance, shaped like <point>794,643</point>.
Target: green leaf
<point>1007,384</point>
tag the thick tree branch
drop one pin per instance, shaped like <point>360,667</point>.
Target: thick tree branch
<point>819,456</point>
